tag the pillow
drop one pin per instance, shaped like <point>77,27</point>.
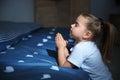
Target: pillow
<point>11,32</point>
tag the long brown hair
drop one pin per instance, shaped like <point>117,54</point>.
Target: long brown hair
<point>103,34</point>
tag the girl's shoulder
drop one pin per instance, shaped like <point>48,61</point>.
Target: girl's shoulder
<point>86,43</point>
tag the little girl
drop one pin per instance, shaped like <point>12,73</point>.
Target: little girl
<point>94,38</point>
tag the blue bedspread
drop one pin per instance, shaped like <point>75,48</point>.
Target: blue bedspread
<point>34,57</point>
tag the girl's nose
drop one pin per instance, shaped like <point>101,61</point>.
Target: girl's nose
<point>72,25</point>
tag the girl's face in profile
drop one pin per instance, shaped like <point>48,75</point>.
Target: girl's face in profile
<point>78,29</point>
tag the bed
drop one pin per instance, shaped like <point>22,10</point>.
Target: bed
<point>28,52</point>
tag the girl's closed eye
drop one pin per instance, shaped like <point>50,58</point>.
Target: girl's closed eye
<point>76,24</point>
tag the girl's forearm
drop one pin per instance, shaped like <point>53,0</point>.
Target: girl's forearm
<point>62,55</point>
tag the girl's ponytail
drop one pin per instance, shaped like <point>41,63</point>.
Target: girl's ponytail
<point>108,36</point>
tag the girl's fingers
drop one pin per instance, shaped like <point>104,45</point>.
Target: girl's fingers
<point>59,36</point>
<point>66,41</point>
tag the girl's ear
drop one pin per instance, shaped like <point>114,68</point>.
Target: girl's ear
<point>87,35</point>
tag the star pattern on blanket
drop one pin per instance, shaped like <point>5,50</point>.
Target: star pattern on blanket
<point>32,52</point>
